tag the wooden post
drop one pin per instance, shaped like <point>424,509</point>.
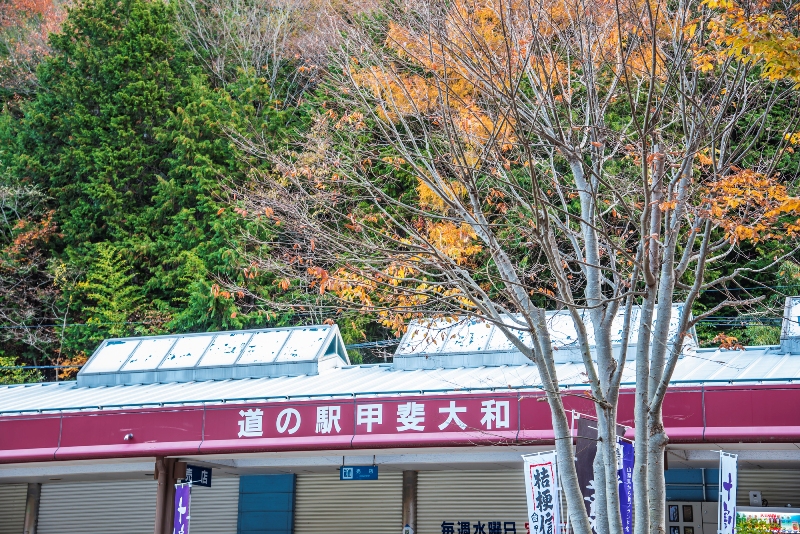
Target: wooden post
<point>32,508</point>
<point>168,471</point>
<point>162,505</point>
<point>410,500</point>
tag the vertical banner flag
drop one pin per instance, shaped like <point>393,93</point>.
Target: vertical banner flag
<point>585,453</point>
<point>726,521</point>
<point>625,457</point>
<point>182,496</point>
<point>541,488</point>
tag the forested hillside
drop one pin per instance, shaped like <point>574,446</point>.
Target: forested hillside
<point>115,172</point>
<point>151,155</point>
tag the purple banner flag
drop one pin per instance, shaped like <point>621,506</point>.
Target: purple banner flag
<point>625,457</point>
<point>182,497</point>
<point>728,471</point>
<point>586,450</point>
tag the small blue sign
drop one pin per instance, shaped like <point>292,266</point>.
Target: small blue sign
<point>358,472</point>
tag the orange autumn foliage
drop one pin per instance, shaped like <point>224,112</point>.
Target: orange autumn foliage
<point>451,86</point>
<point>753,32</point>
<point>452,74</point>
<point>727,342</point>
<point>748,206</point>
<point>25,27</point>
<point>69,373</point>
<point>401,286</point>
<point>30,234</point>
<point>457,242</point>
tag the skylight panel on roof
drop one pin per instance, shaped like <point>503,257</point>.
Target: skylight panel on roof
<point>792,319</point>
<point>264,346</point>
<point>225,349</point>
<point>148,354</point>
<point>414,341</point>
<point>303,344</point>
<point>499,341</point>
<point>215,356</point>
<point>562,329</point>
<point>111,356</point>
<point>468,336</point>
<point>619,324</point>
<point>186,352</point>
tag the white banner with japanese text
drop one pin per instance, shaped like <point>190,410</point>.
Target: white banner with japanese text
<point>541,487</point>
<point>726,522</point>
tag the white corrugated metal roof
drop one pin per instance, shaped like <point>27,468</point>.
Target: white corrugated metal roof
<point>704,365</point>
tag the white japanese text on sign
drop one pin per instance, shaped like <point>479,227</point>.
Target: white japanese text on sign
<point>411,417</point>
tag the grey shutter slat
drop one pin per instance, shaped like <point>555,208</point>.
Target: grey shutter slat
<point>215,510</point>
<point>128,507</point>
<point>12,508</point>
<point>124,507</point>
<point>472,496</point>
<point>326,505</point>
<point>779,486</point>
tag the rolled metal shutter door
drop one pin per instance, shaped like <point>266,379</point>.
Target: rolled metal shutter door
<point>214,510</point>
<point>326,505</point>
<point>474,496</point>
<point>779,486</point>
<point>129,507</point>
<point>123,507</point>
<point>12,508</point>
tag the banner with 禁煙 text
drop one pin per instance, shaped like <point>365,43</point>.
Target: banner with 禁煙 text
<point>541,488</point>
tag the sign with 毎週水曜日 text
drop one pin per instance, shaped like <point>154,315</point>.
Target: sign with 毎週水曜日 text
<point>480,527</point>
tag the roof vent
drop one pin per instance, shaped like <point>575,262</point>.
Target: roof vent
<point>305,350</point>
<point>790,330</point>
<point>473,342</point>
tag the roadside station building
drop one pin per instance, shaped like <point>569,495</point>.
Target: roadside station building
<point>276,413</point>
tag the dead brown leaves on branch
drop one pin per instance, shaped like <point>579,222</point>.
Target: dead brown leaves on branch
<point>749,205</point>
<point>25,26</point>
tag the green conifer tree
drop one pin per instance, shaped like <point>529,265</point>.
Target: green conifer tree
<point>110,296</point>
<point>127,139</point>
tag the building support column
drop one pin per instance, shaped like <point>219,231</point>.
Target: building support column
<point>168,471</point>
<point>32,508</point>
<point>409,502</point>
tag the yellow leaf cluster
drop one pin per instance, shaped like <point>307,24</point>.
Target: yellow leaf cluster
<point>704,159</point>
<point>748,206</point>
<point>456,242</point>
<point>758,34</point>
<point>431,200</point>
<point>400,95</point>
